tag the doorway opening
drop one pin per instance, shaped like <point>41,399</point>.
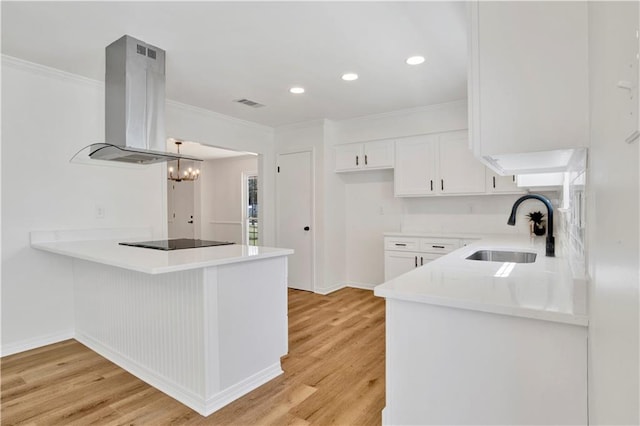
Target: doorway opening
<point>218,204</point>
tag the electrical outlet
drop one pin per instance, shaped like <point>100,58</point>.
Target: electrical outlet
<point>100,211</point>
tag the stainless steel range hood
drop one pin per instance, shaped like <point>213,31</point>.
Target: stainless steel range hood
<point>134,105</point>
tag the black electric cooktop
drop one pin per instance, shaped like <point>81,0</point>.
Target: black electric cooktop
<point>176,244</point>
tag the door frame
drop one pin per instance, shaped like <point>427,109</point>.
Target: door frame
<point>245,200</point>
<point>312,171</point>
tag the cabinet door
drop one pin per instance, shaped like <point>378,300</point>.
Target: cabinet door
<point>348,157</point>
<point>414,172</point>
<point>378,155</point>
<point>398,262</point>
<point>460,171</point>
<point>497,183</point>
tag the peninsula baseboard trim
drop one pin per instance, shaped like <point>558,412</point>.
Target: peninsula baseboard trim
<point>174,390</point>
<point>36,342</point>
<point>362,286</point>
<point>233,392</point>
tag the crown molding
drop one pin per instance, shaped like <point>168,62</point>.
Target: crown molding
<point>405,112</point>
<point>44,70</point>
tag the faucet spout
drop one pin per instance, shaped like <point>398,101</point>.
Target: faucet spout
<point>550,244</point>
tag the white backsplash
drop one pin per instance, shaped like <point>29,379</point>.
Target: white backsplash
<point>476,214</point>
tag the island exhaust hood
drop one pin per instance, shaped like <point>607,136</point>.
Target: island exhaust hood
<point>134,105</point>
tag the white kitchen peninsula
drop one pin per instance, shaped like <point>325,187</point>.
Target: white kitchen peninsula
<point>484,342</point>
<point>204,325</point>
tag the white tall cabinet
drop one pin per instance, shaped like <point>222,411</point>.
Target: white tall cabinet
<point>528,78</point>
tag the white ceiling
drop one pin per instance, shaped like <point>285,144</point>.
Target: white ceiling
<point>204,152</point>
<point>218,52</point>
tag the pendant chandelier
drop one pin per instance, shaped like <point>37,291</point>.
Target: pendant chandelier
<point>190,174</point>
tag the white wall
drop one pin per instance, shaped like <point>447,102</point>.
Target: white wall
<point>612,216</point>
<point>221,187</point>
<point>48,115</point>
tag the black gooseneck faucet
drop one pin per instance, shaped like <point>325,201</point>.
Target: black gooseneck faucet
<point>551,245</point>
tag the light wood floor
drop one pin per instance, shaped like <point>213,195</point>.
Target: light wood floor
<point>334,374</point>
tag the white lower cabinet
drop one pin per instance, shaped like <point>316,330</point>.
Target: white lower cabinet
<point>402,254</point>
<point>447,365</point>
<point>398,262</point>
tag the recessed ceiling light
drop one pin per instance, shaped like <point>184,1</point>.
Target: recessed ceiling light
<point>415,60</point>
<point>350,76</point>
<point>297,90</point>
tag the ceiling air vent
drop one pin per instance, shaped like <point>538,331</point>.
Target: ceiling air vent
<point>249,102</point>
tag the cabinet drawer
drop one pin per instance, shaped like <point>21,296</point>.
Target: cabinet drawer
<point>401,244</point>
<point>438,245</point>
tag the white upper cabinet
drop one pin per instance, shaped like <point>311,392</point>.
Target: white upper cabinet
<point>437,165</point>
<point>364,156</point>
<point>460,171</point>
<point>528,82</point>
<point>497,183</point>
<point>415,173</point>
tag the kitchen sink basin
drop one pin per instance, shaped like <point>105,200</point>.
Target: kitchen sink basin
<point>503,256</point>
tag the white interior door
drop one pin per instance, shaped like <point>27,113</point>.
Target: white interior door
<point>181,204</point>
<point>294,211</point>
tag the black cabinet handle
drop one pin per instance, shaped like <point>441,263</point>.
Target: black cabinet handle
<point>421,261</point>
<point>442,184</point>
<point>416,259</point>
<point>401,245</point>
<point>438,247</point>
<point>494,182</point>
<point>513,177</point>
<point>365,160</point>
<point>306,228</point>
<point>432,184</point>
<point>357,160</point>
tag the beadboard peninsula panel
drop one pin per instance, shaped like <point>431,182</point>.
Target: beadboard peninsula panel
<point>203,336</point>
<point>154,321</point>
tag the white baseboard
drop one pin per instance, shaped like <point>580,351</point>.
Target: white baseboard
<point>339,286</point>
<point>327,290</point>
<point>194,401</point>
<point>35,342</point>
<point>234,392</point>
<point>385,420</point>
<point>204,406</point>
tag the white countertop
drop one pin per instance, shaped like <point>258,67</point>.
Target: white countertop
<point>150,261</point>
<point>546,289</point>
<point>422,234</point>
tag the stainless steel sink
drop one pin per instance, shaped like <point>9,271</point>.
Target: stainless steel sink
<point>503,256</point>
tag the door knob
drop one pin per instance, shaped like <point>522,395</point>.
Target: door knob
<point>189,221</point>
<point>306,228</point>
